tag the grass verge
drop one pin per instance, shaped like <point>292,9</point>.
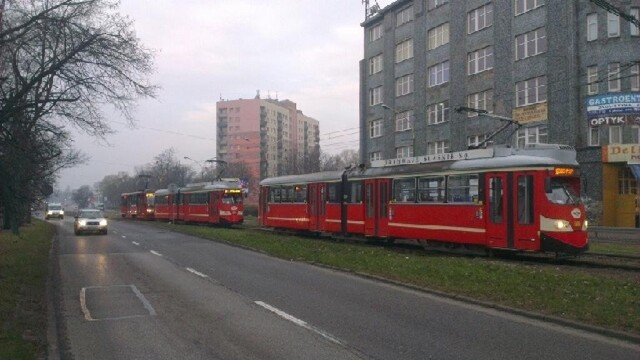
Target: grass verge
<point>600,298</point>
<point>24,263</point>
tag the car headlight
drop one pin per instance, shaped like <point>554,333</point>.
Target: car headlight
<point>49,212</point>
<point>561,224</point>
<point>82,222</point>
<point>103,222</point>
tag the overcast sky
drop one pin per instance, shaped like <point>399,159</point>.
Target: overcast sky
<point>303,50</point>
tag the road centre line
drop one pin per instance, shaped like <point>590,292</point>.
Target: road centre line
<point>299,322</point>
<point>155,253</point>
<point>193,271</point>
<point>135,243</point>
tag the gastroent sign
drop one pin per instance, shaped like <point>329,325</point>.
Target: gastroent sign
<point>614,109</point>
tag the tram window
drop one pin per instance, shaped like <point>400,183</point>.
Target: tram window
<point>384,200</point>
<point>462,188</point>
<point>178,198</point>
<point>355,195</point>
<point>496,196</point>
<point>404,190</point>
<point>198,199</point>
<point>431,189</point>
<point>525,199</point>
<point>161,200</point>
<point>274,195</point>
<point>333,191</point>
<point>300,193</point>
<point>562,190</point>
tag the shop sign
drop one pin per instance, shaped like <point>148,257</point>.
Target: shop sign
<point>629,153</point>
<point>527,114</point>
<point>613,109</point>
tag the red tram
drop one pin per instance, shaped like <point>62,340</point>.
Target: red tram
<point>138,204</point>
<point>496,198</point>
<point>217,202</point>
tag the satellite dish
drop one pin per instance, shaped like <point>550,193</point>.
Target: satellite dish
<point>173,188</point>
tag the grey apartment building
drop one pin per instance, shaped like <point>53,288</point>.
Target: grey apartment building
<point>566,71</point>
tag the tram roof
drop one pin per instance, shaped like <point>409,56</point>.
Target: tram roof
<point>497,158</point>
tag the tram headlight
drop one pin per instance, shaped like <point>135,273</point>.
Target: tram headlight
<point>585,225</point>
<point>561,224</point>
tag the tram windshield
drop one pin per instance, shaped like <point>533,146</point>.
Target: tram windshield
<point>231,199</point>
<point>563,191</point>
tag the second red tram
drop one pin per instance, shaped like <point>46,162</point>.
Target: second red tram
<point>496,198</point>
<point>217,202</point>
<point>138,204</point>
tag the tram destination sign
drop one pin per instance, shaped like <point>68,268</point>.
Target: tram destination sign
<point>424,159</point>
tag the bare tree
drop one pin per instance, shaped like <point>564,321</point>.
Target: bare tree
<point>61,61</point>
<point>340,161</point>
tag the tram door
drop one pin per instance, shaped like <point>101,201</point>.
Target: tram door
<point>262,212</point>
<point>499,210</point>
<point>376,193</point>
<point>214,201</point>
<point>313,207</point>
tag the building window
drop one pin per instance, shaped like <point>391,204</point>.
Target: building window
<point>532,135</point>
<point>592,80</point>
<point>435,3</point>
<point>404,16</point>
<point>627,184</point>
<point>404,85</point>
<point>592,27</point>
<point>613,25</point>
<point>594,136</point>
<point>375,33</point>
<point>438,113</point>
<point>375,96</point>
<point>615,134</point>
<point>438,36</point>
<point>475,140</point>
<point>404,120</point>
<point>633,28</point>
<point>437,147</point>
<point>439,74</point>
<point>375,128</point>
<point>635,134</point>
<point>404,152</point>
<point>480,60</point>
<point>614,77</point>
<point>531,43</point>
<point>531,91</point>
<point>523,6</point>
<point>404,50</point>
<point>376,155</point>
<point>635,77</point>
<point>481,101</point>
<point>480,18</point>
<point>375,64</point>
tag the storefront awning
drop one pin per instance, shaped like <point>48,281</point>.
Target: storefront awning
<point>635,169</point>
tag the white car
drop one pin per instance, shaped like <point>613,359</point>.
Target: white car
<point>54,210</point>
<point>90,221</point>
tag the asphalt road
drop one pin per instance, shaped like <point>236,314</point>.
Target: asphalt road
<point>145,293</point>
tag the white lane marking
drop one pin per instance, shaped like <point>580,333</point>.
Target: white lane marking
<point>193,271</point>
<point>124,236</point>
<point>143,300</point>
<point>155,253</point>
<point>299,322</point>
<point>135,243</point>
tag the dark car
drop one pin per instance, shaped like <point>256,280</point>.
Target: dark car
<point>90,221</point>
